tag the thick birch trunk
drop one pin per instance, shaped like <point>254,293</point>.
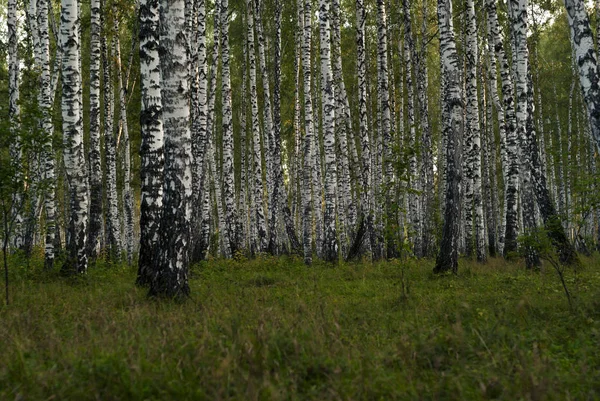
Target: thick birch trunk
<point>586,59</point>
<point>170,277</point>
<point>152,148</point>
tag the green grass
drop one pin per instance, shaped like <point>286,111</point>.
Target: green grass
<point>272,329</point>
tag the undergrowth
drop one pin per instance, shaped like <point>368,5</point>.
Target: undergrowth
<point>273,329</point>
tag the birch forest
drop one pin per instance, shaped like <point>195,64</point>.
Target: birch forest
<point>426,142</point>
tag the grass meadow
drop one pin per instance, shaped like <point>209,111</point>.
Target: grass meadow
<point>273,329</point>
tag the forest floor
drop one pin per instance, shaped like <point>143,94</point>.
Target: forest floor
<point>273,329</point>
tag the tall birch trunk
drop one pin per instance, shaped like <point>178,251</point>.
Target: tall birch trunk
<point>586,60</point>
<point>413,198</point>
<point>330,244</point>
<point>231,215</point>
<point>259,190</point>
<point>170,277</point>
<point>152,148</point>
<point>113,239</point>
<point>474,210</point>
<point>124,135</point>
<point>385,127</point>
<point>512,168</point>
<point>72,126</point>
<point>367,189</point>
<point>447,259</point>
<point>199,133</point>
<point>48,163</point>
<point>95,170</point>
<point>14,114</point>
<point>307,194</point>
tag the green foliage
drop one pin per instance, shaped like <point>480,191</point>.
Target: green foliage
<point>273,329</point>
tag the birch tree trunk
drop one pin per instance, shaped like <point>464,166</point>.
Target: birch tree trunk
<point>152,148</point>
<point>447,259</point>
<point>46,102</point>
<point>124,135</point>
<point>586,60</point>
<point>330,244</point>
<point>512,167</point>
<point>72,126</point>
<point>347,218</point>
<point>473,197</point>
<point>170,278</point>
<point>113,239</point>
<point>413,198</point>
<point>307,194</point>
<point>199,133</point>
<point>14,114</point>
<point>231,214</point>
<point>259,190</point>
<point>427,183</point>
<point>367,189</point>
<point>385,127</point>
<point>95,171</point>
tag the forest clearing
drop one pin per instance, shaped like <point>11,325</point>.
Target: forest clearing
<point>271,329</point>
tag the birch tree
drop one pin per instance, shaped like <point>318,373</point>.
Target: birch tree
<point>113,239</point>
<point>447,259</point>
<point>95,166</point>
<point>231,214</point>
<point>308,194</point>
<point>14,113</point>
<point>330,245</point>
<point>258,185</point>
<point>72,126</point>
<point>170,277</point>
<point>586,61</point>
<point>473,195</point>
<point>151,151</point>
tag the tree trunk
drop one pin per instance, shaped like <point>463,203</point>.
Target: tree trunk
<point>259,190</point>
<point>447,259</point>
<point>152,148</point>
<point>113,239</point>
<point>231,214</point>
<point>72,125</point>
<point>308,135</point>
<point>586,59</point>
<point>330,244</point>
<point>171,274</point>
<point>95,171</point>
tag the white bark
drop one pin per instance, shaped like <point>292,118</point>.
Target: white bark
<point>72,125</point>
<point>170,278</point>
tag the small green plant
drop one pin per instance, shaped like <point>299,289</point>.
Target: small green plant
<point>537,242</point>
